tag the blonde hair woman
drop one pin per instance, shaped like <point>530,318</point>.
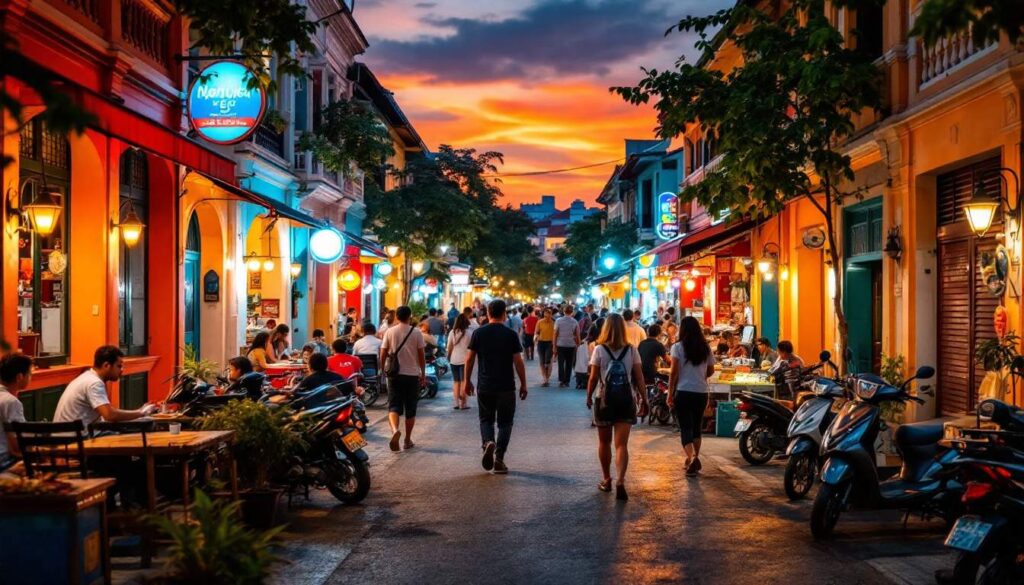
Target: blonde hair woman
<point>615,400</point>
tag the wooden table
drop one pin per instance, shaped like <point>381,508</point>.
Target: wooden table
<point>34,521</point>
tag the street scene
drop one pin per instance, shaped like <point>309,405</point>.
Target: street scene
<point>552,291</point>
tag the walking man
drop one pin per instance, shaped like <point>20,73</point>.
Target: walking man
<point>500,352</point>
<point>436,327</point>
<point>403,345</point>
<point>567,339</point>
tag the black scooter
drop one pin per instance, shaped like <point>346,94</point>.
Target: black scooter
<point>763,423</point>
<point>850,473</point>
<point>195,398</point>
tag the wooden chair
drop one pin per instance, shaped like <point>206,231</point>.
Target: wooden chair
<point>48,447</point>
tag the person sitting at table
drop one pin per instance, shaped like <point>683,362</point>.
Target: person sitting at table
<point>343,363</point>
<point>308,350</point>
<point>319,374</point>
<point>736,349</point>
<point>318,342</point>
<point>85,398</point>
<point>258,354</point>
<point>786,355</point>
<point>369,343</point>
<point>721,350</point>
<point>278,349</point>
<point>763,351</point>
<point>15,375</point>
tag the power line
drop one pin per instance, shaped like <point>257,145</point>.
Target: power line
<point>551,172</point>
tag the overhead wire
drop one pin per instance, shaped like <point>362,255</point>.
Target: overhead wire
<point>554,171</point>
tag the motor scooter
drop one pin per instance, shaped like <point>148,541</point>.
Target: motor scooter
<point>657,397</point>
<point>805,432</point>
<point>849,475</point>
<point>191,397</point>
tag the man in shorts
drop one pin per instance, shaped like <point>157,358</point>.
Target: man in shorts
<point>406,344</point>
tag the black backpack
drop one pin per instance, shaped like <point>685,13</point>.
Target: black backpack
<point>618,392</point>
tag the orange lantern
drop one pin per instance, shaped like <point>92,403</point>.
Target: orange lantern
<point>349,280</point>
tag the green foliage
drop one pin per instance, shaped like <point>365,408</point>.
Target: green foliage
<point>584,242</point>
<point>350,137</point>
<point>503,249</point>
<point>275,121</point>
<point>263,438</point>
<point>194,366</point>
<point>984,18</point>
<point>779,117</point>
<point>996,354</point>
<point>419,308</point>
<point>893,372</point>
<point>216,548</point>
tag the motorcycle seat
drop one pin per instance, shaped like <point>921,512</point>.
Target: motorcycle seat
<point>919,434</point>
<point>898,489</point>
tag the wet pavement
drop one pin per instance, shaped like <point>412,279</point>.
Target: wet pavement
<point>435,516</point>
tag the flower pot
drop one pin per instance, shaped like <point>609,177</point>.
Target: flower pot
<point>259,507</point>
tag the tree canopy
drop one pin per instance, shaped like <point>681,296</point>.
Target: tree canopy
<point>585,241</point>
<point>350,136</point>
<point>984,18</point>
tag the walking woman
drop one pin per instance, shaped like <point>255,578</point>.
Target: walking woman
<point>692,365</point>
<point>545,336</point>
<point>458,345</point>
<point>259,353</point>
<point>618,378</point>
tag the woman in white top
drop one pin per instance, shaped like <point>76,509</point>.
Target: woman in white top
<point>692,365</point>
<point>613,411</point>
<point>458,345</point>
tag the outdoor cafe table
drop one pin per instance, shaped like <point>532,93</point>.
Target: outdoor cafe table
<point>181,446</point>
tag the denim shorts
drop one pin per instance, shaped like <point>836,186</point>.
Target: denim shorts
<point>458,372</point>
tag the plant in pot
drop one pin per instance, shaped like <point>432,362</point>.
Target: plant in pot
<point>197,368</point>
<point>995,356</point>
<point>893,412</point>
<point>215,548</point>
<point>262,445</point>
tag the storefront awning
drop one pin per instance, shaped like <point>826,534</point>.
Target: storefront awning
<point>276,207</point>
<point>667,252</point>
<point>373,248</point>
<point>610,277</point>
<point>704,239</point>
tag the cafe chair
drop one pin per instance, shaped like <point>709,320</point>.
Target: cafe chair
<point>51,447</point>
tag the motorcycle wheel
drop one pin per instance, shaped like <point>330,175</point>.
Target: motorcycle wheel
<point>432,388</point>
<point>371,395</point>
<point>1005,570</point>
<point>663,413</point>
<point>751,451</point>
<point>348,480</point>
<point>799,476</point>
<point>828,506</point>
<point>964,571</point>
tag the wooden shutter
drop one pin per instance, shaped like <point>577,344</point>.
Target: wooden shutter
<point>955,349</point>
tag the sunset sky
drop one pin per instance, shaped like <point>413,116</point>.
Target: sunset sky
<point>528,78</point>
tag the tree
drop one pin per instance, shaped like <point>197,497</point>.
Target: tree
<point>779,118</point>
<point>503,249</point>
<point>586,240</point>
<point>350,136</point>
<point>984,18</point>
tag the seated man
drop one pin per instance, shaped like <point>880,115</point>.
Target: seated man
<point>15,375</point>
<point>318,343</point>
<point>343,363</point>
<point>786,355</point>
<point>85,398</point>
<point>369,343</point>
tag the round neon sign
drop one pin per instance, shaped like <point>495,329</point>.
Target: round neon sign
<point>326,245</point>
<point>222,107</point>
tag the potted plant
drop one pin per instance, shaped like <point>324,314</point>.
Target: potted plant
<point>893,412</point>
<point>275,121</point>
<point>995,356</point>
<point>262,444</point>
<point>195,367</point>
<point>215,548</point>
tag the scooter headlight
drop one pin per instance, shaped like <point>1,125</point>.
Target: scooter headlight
<point>866,389</point>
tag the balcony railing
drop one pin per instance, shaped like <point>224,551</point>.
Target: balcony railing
<point>87,8</point>
<point>947,55</point>
<point>269,139</point>
<point>306,163</point>
<point>145,30</point>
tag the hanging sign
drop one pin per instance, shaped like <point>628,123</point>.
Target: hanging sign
<point>222,107</point>
<point>326,245</point>
<point>668,219</point>
<point>211,287</point>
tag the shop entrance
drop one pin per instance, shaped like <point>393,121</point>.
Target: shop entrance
<point>862,287</point>
<point>192,284</point>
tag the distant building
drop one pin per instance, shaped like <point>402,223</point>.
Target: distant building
<point>552,225</point>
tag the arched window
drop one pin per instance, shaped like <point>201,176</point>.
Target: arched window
<point>44,166</point>
<point>193,253</point>
<point>133,284</point>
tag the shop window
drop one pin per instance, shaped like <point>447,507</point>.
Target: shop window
<point>646,204</point>
<point>45,166</point>
<point>132,285</point>
<point>864,225</point>
<point>868,31</point>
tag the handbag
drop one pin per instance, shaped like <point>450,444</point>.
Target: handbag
<point>391,365</point>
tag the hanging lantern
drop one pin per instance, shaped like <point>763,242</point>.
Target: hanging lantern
<point>418,266</point>
<point>690,284</point>
<point>643,285</point>
<point>676,282</point>
<point>385,268</point>
<point>392,250</point>
<point>131,228</point>
<point>349,280</point>
<point>253,263</point>
<point>44,212</point>
<point>647,260</point>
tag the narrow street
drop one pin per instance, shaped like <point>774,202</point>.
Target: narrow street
<point>434,515</point>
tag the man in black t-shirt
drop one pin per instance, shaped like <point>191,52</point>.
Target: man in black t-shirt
<point>501,360</point>
<point>650,351</point>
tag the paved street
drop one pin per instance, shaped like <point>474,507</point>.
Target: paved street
<point>434,516</point>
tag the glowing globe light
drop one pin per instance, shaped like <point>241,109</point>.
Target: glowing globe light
<point>326,245</point>
<point>349,280</point>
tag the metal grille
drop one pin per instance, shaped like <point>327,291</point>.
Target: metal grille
<point>134,172</point>
<point>55,150</point>
<point>144,30</point>
<point>27,148</point>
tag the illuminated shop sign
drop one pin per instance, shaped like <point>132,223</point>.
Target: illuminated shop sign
<point>668,219</point>
<point>222,107</point>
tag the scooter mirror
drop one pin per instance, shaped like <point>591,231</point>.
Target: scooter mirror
<point>824,356</point>
<point>924,372</point>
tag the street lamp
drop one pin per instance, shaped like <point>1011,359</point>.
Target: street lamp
<point>296,269</point>
<point>769,258</point>
<point>44,212</point>
<point>609,262</point>
<point>418,266</point>
<point>392,250</point>
<point>444,249</point>
<point>131,227</point>
<point>981,210</point>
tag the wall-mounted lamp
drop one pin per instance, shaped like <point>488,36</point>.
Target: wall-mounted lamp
<point>392,250</point>
<point>130,226</point>
<point>893,245</point>
<point>296,269</point>
<point>39,216</point>
<point>981,210</point>
<point>268,265</point>
<point>769,259</point>
<point>418,266</point>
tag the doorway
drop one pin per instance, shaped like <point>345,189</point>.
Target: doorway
<point>192,285</point>
<point>863,308</point>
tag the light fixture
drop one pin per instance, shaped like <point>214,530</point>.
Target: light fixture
<point>349,280</point>
<point>608,262</point>
<point>385,268</point>
<point>443,248</point>
<point>690,284</point>
<point>676,282</point>
<point>253,263</point>
<point>769,276</point>
<point>511,283</point>
<point>981,210</point>
<point>893,246</point>
<point>647,260</point>
<point>392,250</point>
<point>418,266</point>
<point>784,272</point>
<point>296,269</point>
<point>268,265</point>
<point>44,212</point>
<point>326,245</point>
<point>130,227</point>
<point>769,258</point>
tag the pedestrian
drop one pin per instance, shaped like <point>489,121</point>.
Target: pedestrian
<point>436,327</point>
<point>404,364</point>
<point>545,345</point>
<point>692,365</point>
<point>616,394</point>
<point>15,376</point>
<point>388,320</point>
<point>259,351</point>
<point>85,398</point>
<point>515,323</point>
<point>529,331</point>
<point>670,330</point>
<point>501,361</point>
<point>458,346</point>
<point>586,321</point>
<point>652,353</point>
<point>634,333</point>
<point>567,339</point>
<point>582,367</point>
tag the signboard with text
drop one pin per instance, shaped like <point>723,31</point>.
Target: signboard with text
<point>668,218</point>
<point>222,107</point>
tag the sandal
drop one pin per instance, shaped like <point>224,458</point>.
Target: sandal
<point>394,440</point>
<point>409,445</point>
<point>605,485</point>
<point>620,492</point>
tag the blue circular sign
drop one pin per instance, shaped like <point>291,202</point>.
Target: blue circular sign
<point>222,107</point>
<point>326,245</point>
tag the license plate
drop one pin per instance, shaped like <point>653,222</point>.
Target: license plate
<point>968,533</point>
<point>742,425</point>
<point>354,441</point>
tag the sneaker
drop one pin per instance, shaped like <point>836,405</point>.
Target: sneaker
<point>488,460</point>
<point>499,467</point>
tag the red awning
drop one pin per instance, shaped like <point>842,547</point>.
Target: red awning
<point>706,238</point>
<point>667,252</point>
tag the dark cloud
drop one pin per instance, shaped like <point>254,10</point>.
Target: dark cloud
<point>425,5</point>
<point>549,39</point>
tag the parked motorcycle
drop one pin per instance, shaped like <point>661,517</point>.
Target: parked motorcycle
<point>335,458</point>
<point>192,397</point>
<point>850,473</point>
<point>763,420</point>
<point>805,432</point>
<point>657,397</point>
<point>990,536</point>
<point>433,385</point>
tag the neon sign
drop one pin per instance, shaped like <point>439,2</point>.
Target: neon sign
<point>668,219</point>
<point>222,107</point>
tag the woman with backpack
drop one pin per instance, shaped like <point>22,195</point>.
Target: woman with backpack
<point>615,390</point>
<point>692,365</point>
